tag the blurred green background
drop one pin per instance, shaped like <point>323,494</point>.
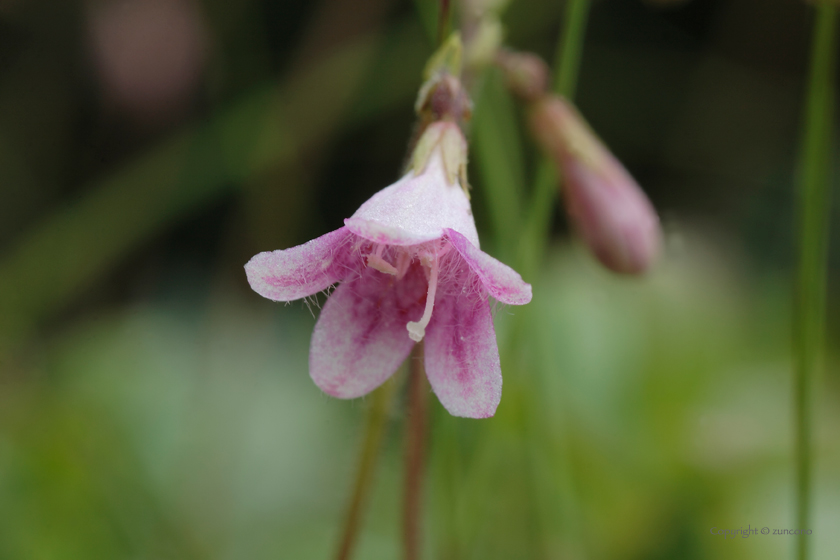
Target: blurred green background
<point>152,406</point>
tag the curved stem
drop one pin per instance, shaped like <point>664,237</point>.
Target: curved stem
<point>415,453</point>
<point>377,414</point>
<point>809,308</point>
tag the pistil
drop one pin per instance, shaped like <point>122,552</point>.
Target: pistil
<point>417,329</point>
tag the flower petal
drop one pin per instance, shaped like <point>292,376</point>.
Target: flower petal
<point>361,338</point>
<point>503,283</point>
<point>415,209</point>
<point>462,358</point>
<point>301,271</point>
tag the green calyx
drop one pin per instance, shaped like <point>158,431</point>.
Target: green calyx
<point>447,59</point>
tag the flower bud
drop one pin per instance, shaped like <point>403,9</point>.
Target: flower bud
<point>448,59</point>
<point>443,98</point>
<point>526,74</point>
<point>606,205</point>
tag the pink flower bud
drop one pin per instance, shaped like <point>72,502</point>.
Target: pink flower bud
<point>606,205</point>
<point>443,97</point>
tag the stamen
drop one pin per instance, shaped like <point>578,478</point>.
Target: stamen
<point>375,261</point>
<point>417,329</point>
<point>380,264</point>
<point>404,259</point>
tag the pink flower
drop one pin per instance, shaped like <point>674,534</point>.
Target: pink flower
<point>410,268</point>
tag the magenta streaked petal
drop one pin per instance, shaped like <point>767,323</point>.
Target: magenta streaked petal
<point>415,209</point>
<point>503,283</point>
<point>462,358</point>
<point>361,339</point>
<point>301,271</point>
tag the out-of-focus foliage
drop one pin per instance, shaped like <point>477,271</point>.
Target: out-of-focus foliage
<point>152,406</point>
<point>649,413</point>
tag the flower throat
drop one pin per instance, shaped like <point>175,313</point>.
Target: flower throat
<point>430,260</point>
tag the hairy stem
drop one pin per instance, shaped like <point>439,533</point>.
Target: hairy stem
<point>377,415</point>
<point>809,306</point>
<point>415,453</point>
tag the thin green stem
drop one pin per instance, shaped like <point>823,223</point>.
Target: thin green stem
<point>375,428</point>
<point>444,20</point>
<point>570,48</point>
<point>497,148</point>
<point>809,319</point>
<point>566,69</point>
<point>415,453</point>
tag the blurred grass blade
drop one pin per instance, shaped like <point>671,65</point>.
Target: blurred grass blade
<point>377,417</point>
<point>540,211</point>
<point>814,203</point>
<point>427,10</point>
<point>541,207</point>
<point>551,476</point>
<point>570,48</point>
<point>497,147</point>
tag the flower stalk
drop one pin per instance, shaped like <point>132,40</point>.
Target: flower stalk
<point>444,20</point>
<point>374,430</point>
<point>570,49</point>
<point>415,455</point>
